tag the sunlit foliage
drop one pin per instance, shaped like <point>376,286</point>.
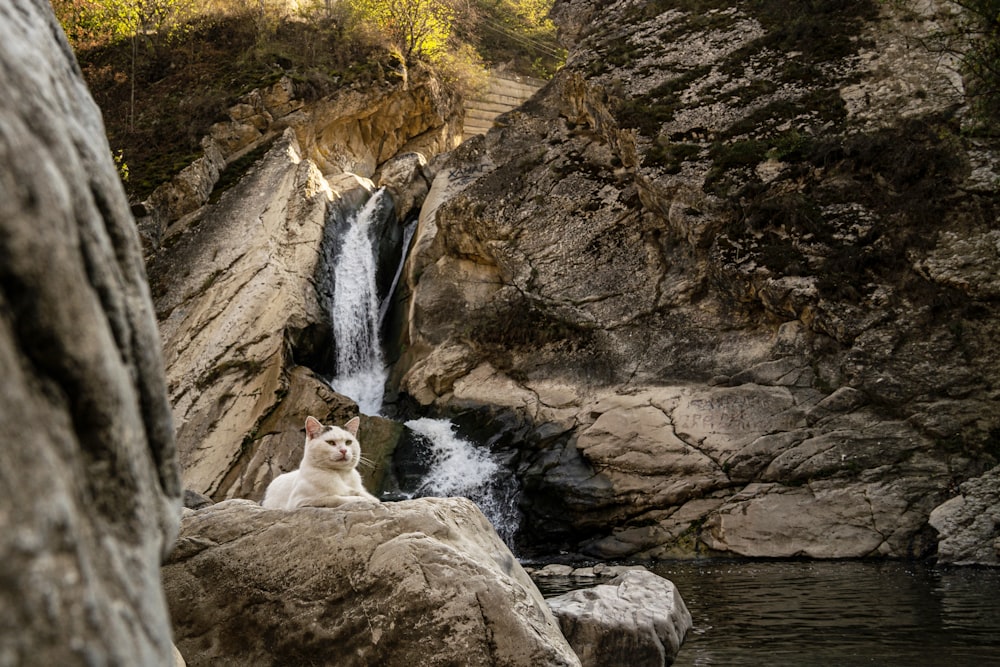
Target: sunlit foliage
<point>417,28</point>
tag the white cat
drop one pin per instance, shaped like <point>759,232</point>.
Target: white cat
<point>327,476</point>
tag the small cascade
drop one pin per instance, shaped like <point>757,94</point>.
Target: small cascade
<point>456,467</point>
<point>459,468</point>
<point>355,313</point>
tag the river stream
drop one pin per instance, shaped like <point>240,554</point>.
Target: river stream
<point>838,614</point>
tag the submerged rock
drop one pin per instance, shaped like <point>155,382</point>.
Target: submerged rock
<point>636,619</point>
<point>89,479</point>
<point>423,582</point>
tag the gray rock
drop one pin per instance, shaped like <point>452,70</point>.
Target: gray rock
<point>421,582</point>
<point>408,179</point>
<point>195,501</point>
<point>637,619</point>
<point>91,492</point>
<point>968,524</point>
<point>352,130</point>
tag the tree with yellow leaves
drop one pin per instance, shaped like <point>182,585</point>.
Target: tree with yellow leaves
<point>418,28</point>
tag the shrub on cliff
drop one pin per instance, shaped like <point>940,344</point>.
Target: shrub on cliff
<point>418,28</point>
<point>163,71</point>
<point>162,86</point>
<point>972,36</point>
<point>980,32</point>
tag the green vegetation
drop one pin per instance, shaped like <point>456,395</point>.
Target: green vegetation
<point>898,180</point>
<point>417,28</point>
<point>974,38</point>
<point>163,71</point>
<point>670,156</point>
<point>648,112</point>
<point>516,33</point>
<point>981,59</point>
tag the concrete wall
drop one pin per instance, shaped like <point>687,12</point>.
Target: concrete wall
<point>505,92</point>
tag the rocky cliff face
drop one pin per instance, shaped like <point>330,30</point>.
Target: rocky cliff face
<point>354,130</point>
<point>240,282</point>
<point>733,271</point>
<point>88,471</point>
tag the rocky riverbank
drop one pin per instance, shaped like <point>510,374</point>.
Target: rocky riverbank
<point>425,581</point>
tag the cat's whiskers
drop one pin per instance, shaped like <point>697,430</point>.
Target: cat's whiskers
<point>327,475</point>
<point>366,462</point>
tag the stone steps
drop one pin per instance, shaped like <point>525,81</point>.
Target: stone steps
<point>504,92</point>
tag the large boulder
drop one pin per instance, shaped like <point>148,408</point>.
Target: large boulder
<point>968,524</point>
<point>636,619</point>
<point>421,582</point>
<point>732,269</point>
<point>90,484</point>
<point>669,454</point>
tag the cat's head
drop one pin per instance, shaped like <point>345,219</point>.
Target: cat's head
<point>332,447</point>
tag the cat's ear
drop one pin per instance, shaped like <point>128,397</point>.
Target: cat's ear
<point>352,426</point>
<point>313,428</point>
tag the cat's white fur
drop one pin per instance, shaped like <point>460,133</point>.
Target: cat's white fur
<point>327,476</point>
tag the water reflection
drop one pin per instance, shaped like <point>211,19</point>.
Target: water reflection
<point>834,613</point>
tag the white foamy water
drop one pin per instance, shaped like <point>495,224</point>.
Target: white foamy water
<point>457,468</point>
<point>361,371</point>
<point>460,468</point>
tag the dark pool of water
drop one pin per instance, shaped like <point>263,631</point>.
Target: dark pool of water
<point>838,614</point>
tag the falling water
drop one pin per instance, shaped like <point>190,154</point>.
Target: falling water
<point>459,468</point>
<point>361,372</point>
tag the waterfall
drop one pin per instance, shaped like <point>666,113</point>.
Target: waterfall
<point>456,467</point>
<point>355,313</point>
<point>459,468</point>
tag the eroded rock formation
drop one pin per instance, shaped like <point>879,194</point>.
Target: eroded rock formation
<point>90,483</point>
<point>234,294</point>
<point>421,582</point>
<point>353,130</point>
<point>730,272</point>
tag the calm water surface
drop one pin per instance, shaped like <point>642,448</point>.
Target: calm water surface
<point>834,614</point>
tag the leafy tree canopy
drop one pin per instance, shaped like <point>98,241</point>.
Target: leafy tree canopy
<point>163,71</point>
